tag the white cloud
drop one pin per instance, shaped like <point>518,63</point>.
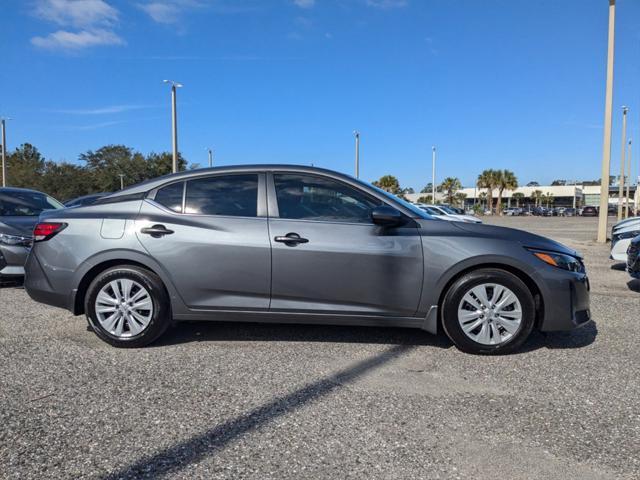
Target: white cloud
<point>77,13</point>
<point>161,12</point>
<point>67,40</point>
<point>89,23</point>
<point>387,4</point>
<point>304,3</point>
<point>103,110</point>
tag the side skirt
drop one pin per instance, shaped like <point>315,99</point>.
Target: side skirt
<point>427,323</point>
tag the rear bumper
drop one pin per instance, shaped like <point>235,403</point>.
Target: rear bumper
<point>566,301</point>
<point>12,260</point>
<point>39,288</point>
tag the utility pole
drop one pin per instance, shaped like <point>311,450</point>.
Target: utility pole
<point>121,175</point>
<point>433,175</point>
<point>174,122</point>
<point>4,154</point>
<point>606,146</point>
<point>625,110</point>
<point>210,158</point>
<point>357,135</point>
<point>626,197</point>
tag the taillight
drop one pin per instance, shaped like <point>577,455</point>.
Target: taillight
<point>45,231</point>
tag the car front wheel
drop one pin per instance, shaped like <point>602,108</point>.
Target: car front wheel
<point>488,311</point>
<point>127,306</point>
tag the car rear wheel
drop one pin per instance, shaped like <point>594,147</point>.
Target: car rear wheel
<point>127,306</point>
<point>488,311</point>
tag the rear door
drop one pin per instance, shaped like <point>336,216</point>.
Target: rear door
<point>329,257</point>
<point>210,234</point>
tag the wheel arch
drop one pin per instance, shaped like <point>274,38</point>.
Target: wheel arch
<point>514,270</point>
<point>113,259</point>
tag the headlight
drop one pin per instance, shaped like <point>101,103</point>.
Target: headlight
<point>560,260</point>
<point>621,236</point>
<point>15,240</point>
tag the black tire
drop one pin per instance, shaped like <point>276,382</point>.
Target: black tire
<point>161,317</point>
<point>474,278</point>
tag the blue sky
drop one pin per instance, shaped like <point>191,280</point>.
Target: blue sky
<point>515,84</point>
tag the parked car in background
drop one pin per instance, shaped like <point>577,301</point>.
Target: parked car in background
<point>589,211</point>
<point>510,212</point>
<point>287,244</point>
<point>621,235</point>
<point>437,214</point>
<point>19,211</point>
<point>633,257</point>
<point>84,200</point>
<point>569,212</point>
<point>444,211</point>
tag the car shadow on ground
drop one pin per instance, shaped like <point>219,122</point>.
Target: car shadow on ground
<point>202,331</point>
<point>188,332</point>
<point>620,266</point>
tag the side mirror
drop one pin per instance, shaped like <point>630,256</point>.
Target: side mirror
<point>386,216</point>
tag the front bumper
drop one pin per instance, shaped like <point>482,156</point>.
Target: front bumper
<point>566,300</point>
<point>633,260</point>
<point>12,260</point>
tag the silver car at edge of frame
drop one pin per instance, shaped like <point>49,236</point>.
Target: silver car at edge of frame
<point>19,212</point>
<point>288,244</point>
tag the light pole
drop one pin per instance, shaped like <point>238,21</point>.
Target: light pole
<point>4,153</point>
<point>606,146</point>
<point>626,197</point>
<point>625,110</point>
<point>121,175</point>
<point>356,134</point>
<point>174,122</point>
<point>433,175</point>
<point>210,157</point>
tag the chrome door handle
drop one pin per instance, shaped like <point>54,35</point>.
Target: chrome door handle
<point>156,231</point>
<point>291,239</point>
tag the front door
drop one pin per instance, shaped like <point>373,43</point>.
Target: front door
<point>328,256</point>
<point>215,246</point>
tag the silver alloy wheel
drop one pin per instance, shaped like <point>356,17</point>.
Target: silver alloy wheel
<point>490,314</point>
<point>124,308</point>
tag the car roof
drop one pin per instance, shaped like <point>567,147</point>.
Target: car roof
<point>188,174</point>
<point>18,189</point>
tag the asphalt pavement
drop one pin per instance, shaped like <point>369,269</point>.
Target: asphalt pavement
<point>222,400</point>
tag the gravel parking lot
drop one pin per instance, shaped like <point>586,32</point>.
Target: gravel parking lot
<point>271,401</point>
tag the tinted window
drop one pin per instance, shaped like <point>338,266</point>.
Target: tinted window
<point>171,196</point>
<point>29,204</point>
<point>234,195</point>
<point>315,198</point>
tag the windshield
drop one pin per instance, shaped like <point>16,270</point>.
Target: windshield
<point>26,204</point>
<point>448,210</point>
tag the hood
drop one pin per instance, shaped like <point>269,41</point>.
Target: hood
<point>633,223</point>
<point>526,239</point>
<point>469,218</point>
<point>18,225</point>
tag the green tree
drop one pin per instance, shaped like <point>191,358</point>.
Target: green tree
<point>505,180</point>
<point>65,181</point>
<point>425,199</point>
<point>428,188</point>
<point>518,196</point>
<point>388,183</point>
<point>536,196</point>
<point>459,198</point>
<point>450,186</point>
<point>25,167</point>
<point>488,179</point>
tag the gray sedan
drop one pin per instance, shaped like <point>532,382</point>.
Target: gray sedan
<point>19,210</point>
<point>277,243</point>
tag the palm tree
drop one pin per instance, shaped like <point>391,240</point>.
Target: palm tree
<point>459,199</point>
<point>487,179</point>
<point>388,183</point>
<point>450,186</point>
<point>536,196</point>
<point>505,180</point>
<point>549,199</point>
<point>517,196</point>
<point>482,196</point>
